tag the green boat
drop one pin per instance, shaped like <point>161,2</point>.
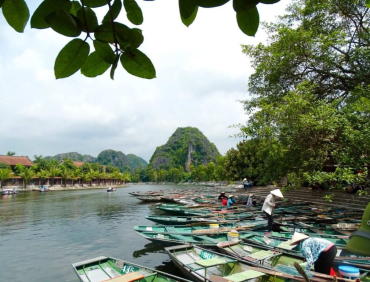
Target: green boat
<point>259,254</point>
<point>275,239</point>
<point>201,265</point>
<point>172,239</point>
<point>183,220</point>
<point>110,269</point>
<point>185,210</point>
<point>203,228</point>
<point>206,218</point>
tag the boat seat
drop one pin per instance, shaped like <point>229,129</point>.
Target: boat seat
<point>262,255</point>
<point>215,278</point>
<point>243,276</point>
<point>210,262</point>
<point>128,277</point>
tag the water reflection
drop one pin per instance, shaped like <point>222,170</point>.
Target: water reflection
<point>149,248</point>
<point>59,228</point>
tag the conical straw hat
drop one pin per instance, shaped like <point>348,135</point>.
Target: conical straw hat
<point>277,193</point>
<point>298,237</point>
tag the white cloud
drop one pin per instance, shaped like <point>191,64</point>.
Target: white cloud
<point>201,73</point>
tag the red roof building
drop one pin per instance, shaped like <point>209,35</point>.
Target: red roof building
<point>14,160</point>
<point>78,164</point>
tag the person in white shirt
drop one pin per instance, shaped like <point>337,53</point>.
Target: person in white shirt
<point>269,205</point>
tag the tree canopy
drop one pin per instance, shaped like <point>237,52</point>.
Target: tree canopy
<point>113,41</point>
<point>309,91</point>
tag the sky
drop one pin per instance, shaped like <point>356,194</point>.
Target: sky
<point>202,75</point>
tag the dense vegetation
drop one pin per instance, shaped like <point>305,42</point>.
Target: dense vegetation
<point>113,158</point>
<point>74,156</point>
<point>309,115</point>
<point>187,146</point>
<point>136,162</point>
<point>67,171</point>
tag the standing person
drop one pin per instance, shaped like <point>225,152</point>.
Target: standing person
<point>230,201</point>
<point>269,205</point>
<point>317,251</point>
<point>246,184</point>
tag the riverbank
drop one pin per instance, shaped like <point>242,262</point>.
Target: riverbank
<point>30,188</point>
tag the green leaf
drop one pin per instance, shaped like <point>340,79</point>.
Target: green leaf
<point>191,19</point>
<point>16,14</point>
<point>63,23</point>
<point>368,3</point>
<point>1,3</point>
<point>104,51</point>
<point>138,64</point>
<point>95,3</point>
<point>269,1</point>
<point>104,32</point>
<point>94,65</point>
<point>137,38</point>
<point>211,3</point>
<point>243,5</point>
<point>46,8</point>
<point>71,58</point>
<point>115,10</point>
<point>248,21</point>
<point>187,8</point>
<point>133,11</point>
<point>114,66</point>
<point>91,19</point>
<point>75,7</point>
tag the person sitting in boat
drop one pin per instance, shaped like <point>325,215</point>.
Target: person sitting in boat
<point>269,205</point>
<point>222,196</point>
<point>231,200</point>
<point>250,201</point>
<point>317,251</point>
<point>224,201</point>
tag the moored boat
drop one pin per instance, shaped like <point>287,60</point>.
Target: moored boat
<point>9,191</point>
<point>211,228</point>
<point>201,265</point>
<point>149,198</point>
<point>110,269</point>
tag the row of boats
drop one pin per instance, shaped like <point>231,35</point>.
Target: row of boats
<point>209,242</point>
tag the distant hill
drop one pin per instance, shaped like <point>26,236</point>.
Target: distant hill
<point>114,158</point>
<point>185,147</point>
<point>74,156</point>
<point>107,157</point>
<point>136,162</point>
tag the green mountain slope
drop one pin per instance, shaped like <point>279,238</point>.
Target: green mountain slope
<point>74,156</point>
<point>187,146</point>
<point>136,162</point>
<point>114,158</point>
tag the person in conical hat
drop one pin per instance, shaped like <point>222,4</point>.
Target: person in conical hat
<point>318,252</point>
<point>230,201</point>
<point>246,184</point>
<point>269,205</point>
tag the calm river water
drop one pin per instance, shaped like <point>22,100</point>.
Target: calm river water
<point>42,234</point>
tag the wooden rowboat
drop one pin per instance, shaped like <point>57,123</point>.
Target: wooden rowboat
<point>110,269</point>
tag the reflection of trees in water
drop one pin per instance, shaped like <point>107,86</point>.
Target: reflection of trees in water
<point>149,248</point>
